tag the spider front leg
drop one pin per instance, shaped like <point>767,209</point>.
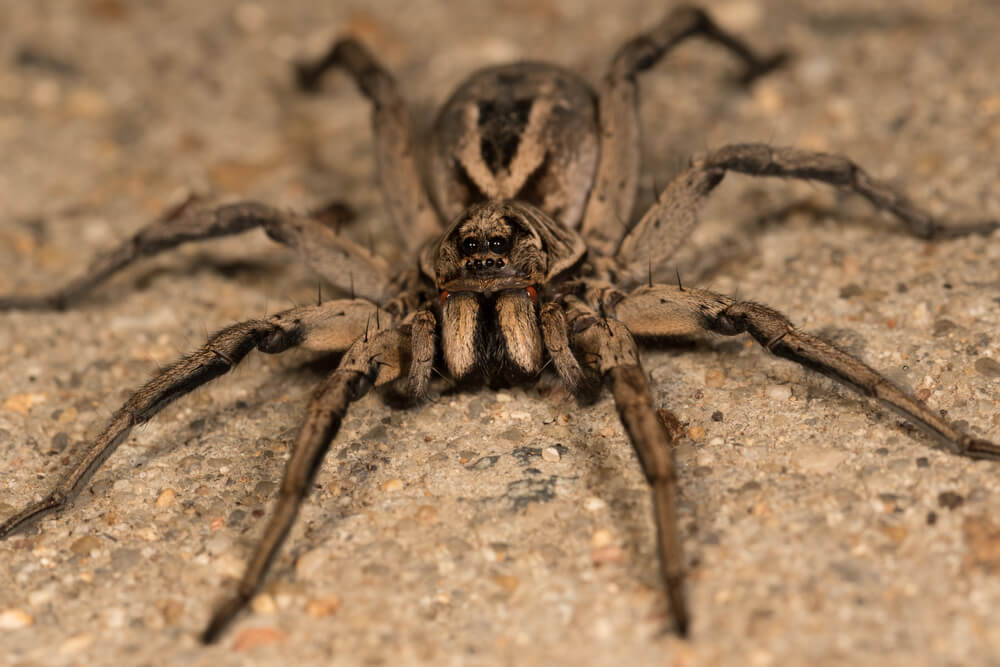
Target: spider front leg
<point>555,335</point>
<point>665,310</point>
<point>370,362</point>
<point>337,259</point>
<point>395,147</point>
<point>609,207</point>
<point>670,221</point>
<point>609,349</point>
<point>329,327</point>
<point>423,349</point>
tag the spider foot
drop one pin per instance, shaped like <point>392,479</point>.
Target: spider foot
<point>307,76</point>
<point>763,67</point>
<point>30,513</point>
<point>678,605</point>
<point>978,448</point>
<point>222,617</point>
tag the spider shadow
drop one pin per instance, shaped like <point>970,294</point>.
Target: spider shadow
<point>739,246</point>
<point>248,271</point>
<point>837,398</point>
<point>256,410</point>
<point>302,373</point>
<point>245,269</point>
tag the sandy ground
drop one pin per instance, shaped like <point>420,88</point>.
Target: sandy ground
<point>820,529</point>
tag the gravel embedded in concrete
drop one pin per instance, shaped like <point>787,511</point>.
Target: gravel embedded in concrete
<point>446,533</point>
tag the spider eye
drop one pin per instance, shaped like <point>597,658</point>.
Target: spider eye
<point>469,245</point>
<point>498,244</point>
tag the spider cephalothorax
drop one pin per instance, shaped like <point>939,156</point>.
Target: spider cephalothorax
<point>489,266</point>
<point>499,245</point>
<point>537,175</point>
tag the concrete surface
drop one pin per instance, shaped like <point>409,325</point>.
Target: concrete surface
<point>821,529</point>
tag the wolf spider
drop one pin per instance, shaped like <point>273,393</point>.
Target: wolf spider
<point>521,260</point>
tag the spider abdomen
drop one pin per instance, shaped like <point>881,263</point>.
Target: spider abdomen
<point>525,131</point>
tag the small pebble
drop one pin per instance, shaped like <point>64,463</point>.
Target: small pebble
<point>484,463</point>
<point>988,367</point>
<point>982,539</point>
<point>603,629</point>
<point>253,637</point>
<point>920,315</point>
<point>41,596</point>
<point>491,555</point>
<point>114,617</point>
<point>781,392</point>
<point>60,441</point>
<point>166,497</point>
<point>22,403</point>
<point>507,582</point>
<point>124,559</point>
<point>895,532</point>
<point>816,71</point>
<point>230,565</point>
<point>14,619</point>
<point>392,485</point>
<point>738,15</point>
<point>817,459</point>
<point>608,555</point>
<point>86,545</point>
<point>67,415</point>
<point>594,504</point>
<point>512,434</point>
<point>250,16</point>
<point>697,433</point>
<point>323,606</point>
<point>75,644</point>
<point>426,514</point>
<point>950,499</point>
<point>715,378</point>
<point>550,454</point>
<point>217,544</point>
<point>172,611</point>
<point>263,603</point>
<point>147,533</point>
<point>768,97</point>
<point>601,538</point>
<point>85,103</point>
<point>287,594</point>
<point>310,563</point>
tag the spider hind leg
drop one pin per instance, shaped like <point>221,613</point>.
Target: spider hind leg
<point>668,310</point>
